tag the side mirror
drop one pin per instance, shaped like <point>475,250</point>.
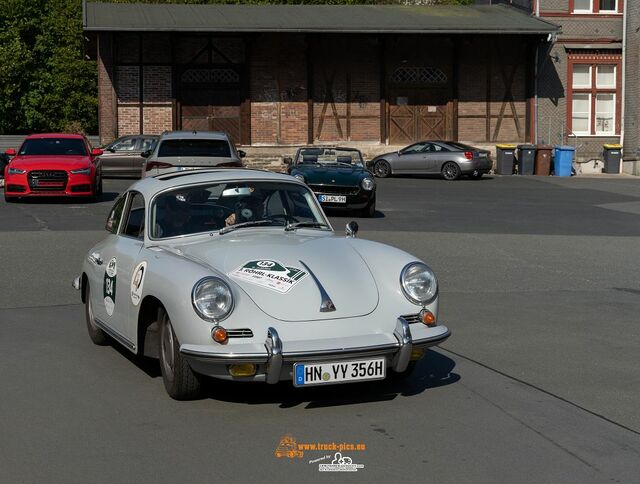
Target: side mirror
<point>287,160</point>
<point>10,152</point>
<point>242,153</point>
<point>146,154</point>
<point>352,229</point>
<point>96,152</point>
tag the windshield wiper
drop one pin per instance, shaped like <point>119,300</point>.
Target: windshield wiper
<point>251,223</point>
<point>290,227</point>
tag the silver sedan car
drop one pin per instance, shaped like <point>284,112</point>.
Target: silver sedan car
<point>449,158</point>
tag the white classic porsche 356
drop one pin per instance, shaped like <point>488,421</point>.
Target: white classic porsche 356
<point>238,275</point>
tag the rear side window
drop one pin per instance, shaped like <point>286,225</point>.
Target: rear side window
<point>148,144</point>
<point>135,220</point>
<point>194,147</point>
<point>127,144</point>
<point>113,220</point>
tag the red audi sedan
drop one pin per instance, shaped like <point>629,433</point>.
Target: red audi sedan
<point>53,165</point>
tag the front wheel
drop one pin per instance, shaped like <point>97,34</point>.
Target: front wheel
<point>450,171</point>
<point>370,210</point>
<point>382,169</point>
<point>179,379</point>
<point>98,336</point>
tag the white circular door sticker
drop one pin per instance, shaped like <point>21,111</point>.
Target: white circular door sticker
<point>109,288</point>
<point>137,282</point>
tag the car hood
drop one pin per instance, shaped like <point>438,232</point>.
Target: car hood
<point>270,268</point>
<point>332,174</point>
<point>42,162</point>
<point>386,156</point>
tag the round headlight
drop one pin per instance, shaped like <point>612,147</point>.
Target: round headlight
<point>419,283</point>
<point>299,177</point>
<point>367,184</point>
<point>212,299</point>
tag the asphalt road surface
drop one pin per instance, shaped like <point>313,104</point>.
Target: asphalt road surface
<point>540,381</point>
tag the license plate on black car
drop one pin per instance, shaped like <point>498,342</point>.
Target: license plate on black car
<point>332,198</point>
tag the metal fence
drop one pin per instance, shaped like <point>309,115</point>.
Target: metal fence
<point>15,140</point>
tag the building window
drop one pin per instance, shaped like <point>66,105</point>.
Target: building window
<point>595,6</point>
<point>582,6</point>
<point>593,99</point>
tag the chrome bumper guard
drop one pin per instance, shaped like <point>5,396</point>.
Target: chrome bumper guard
<point>401,351</point>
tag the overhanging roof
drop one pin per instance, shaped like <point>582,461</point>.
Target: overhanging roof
<point>448,19</point>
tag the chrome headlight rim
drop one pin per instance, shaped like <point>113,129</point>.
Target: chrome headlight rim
<point>299,177</point>
<point>199,312</point>
<point>367,181</point>
<point>408,295</point>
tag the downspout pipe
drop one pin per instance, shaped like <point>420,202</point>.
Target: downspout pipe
<point>624,76</point>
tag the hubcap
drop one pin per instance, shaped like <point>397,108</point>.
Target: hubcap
<point>382,169</point>
<point>167,349</point>
<point>450,171</point>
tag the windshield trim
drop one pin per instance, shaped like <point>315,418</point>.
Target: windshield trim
<point>152,199</point>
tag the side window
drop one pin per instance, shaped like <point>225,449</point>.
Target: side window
<point>135,219</point>
<point>127,144</point>
<point>113,220</point>
<point>148,144</point>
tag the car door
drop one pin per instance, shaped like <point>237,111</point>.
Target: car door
<point>411,159</point>
<point>434,157</point>
<point>115,261</point>
<point>118,157</point>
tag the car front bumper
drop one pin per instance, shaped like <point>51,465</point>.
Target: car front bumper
<point>73,185</point>
<point>275,358</point>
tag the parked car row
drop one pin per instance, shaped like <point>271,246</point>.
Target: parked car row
<point>65,164</point>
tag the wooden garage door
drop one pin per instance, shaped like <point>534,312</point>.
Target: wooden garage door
<point>418,114</point>
<point>211,81</point>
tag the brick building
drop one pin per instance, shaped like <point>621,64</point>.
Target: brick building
<point>275,75</point>
<point>631,100</point>
<point>580,75</point>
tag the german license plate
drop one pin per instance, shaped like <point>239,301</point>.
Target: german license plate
<point>332,198</point>
<point>306,374</point>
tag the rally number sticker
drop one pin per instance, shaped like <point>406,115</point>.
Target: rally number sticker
<point>137,282</point>
<point>270,274</point>
<point>109,287</point>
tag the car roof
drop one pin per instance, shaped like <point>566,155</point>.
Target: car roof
<point>56,135</point>
<point>151,185</point>
<point>194,135</point>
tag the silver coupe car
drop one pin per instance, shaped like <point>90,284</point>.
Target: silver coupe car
<point>238,275</point>
<point>448,158</point>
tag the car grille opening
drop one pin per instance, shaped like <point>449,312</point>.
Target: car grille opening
<point>334,190</point>
<point>47,180</point>
<point>240,333</point>
<point>412,318</point>
<point>16,188</point>
<point>81,188</point>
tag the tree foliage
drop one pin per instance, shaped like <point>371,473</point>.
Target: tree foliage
<point>45,83</point>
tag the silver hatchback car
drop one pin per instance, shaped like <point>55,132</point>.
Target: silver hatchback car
<point>449,158</point>
<point>190,150</point>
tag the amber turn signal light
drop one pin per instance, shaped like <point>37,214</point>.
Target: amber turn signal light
<point>219,334</point>
<point>427,317</point>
